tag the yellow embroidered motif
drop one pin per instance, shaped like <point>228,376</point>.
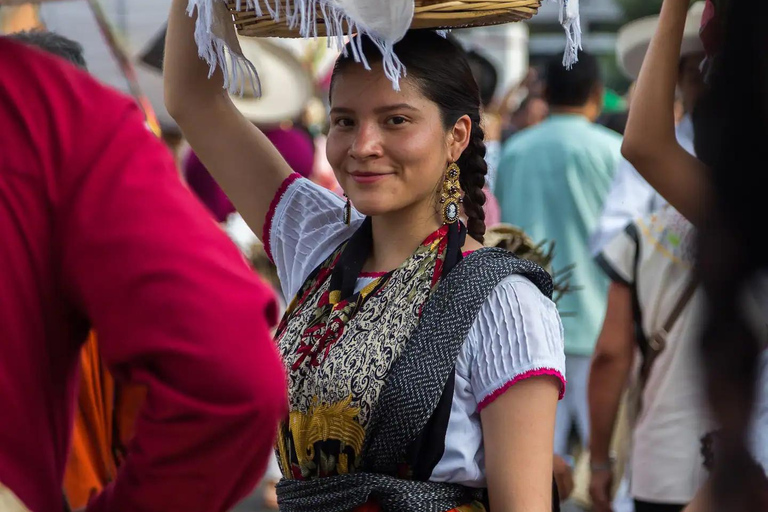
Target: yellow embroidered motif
<point>285,460</point>
<point>648,232</point>
<point>368,289</point>
<point>343,467</point>
<point>323,422</point>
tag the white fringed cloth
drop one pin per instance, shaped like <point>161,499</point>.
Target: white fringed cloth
<point>385,22</point>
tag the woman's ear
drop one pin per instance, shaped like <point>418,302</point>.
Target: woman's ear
<point>459,137</point>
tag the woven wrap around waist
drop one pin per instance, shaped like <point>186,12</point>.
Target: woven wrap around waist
<point>346,492</point>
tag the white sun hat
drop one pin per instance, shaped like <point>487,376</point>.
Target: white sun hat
<point>634,38</point>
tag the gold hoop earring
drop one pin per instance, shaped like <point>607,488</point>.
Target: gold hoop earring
<point>450,198</point>
<point>347,211</point>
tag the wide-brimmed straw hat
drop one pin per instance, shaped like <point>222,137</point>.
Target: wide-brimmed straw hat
<point>634,38</point>
<point>286,86</point>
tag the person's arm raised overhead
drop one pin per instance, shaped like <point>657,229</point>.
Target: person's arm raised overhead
<point>649,139</point>
<point>238,155</point>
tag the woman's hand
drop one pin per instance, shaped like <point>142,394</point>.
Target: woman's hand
<point>563,477</point>
<point>600,485</point>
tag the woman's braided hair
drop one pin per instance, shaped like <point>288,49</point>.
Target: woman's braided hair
<point>440,69</point>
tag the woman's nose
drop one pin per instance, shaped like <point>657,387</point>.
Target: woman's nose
<point>367,143</point>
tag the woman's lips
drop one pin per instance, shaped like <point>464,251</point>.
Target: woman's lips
<point>368,177</point>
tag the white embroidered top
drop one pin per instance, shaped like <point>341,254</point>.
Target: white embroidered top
<point>516,335</point>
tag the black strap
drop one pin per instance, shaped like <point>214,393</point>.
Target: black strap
<point>658,342</point>
<point>353,257</point>
<point>457,236</point>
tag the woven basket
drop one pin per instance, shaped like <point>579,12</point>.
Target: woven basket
<point>435,14</point>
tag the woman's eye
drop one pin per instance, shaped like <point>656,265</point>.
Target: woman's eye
<point>396,120</point>
<point>343,122</point>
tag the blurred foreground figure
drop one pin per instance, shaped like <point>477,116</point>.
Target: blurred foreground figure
<point>717,192</point>
<point>98,232</point>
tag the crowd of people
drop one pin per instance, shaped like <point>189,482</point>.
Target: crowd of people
<point>444,296</point>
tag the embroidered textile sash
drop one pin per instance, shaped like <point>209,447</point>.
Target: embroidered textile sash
<point>338,347</point>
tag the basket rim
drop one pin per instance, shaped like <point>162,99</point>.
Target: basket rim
<point>435,15</point>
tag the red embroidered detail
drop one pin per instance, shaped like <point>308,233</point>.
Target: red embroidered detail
<point>341,305</point>
<point>271,212</point>
<point>437,234</point>
<point>467,253</point>
<point>371,275</point>
<point>527,375</point>
<point>440,262</point>
<point>318,340</point>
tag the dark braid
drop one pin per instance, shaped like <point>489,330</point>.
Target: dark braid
<point>439,67</point>
<point>472,178</point>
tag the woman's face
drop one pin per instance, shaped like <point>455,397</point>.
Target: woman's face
<point>388,149</point>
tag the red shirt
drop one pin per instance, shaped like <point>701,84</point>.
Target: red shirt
<point>97,230</point>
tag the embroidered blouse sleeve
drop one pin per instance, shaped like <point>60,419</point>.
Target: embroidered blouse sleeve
<point>303,227</point>
<point>516,335</point>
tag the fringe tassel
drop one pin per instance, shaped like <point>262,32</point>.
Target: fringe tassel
<point>298,13</point>
<point>237,70</point>
<point>569,19</point>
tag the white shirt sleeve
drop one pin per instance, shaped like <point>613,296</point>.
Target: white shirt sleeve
<point>304,226</point>
<point>630,197</point>
<point>517,334</point>
<point>618,256</point>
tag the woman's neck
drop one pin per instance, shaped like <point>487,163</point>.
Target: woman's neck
<point>397,235</point>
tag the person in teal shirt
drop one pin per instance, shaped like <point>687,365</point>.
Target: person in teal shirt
<point>552,181</point>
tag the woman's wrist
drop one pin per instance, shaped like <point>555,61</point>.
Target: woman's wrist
<point>597,464</point>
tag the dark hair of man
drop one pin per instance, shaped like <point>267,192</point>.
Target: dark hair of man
<point>54,44</point>
<point>571,87</point>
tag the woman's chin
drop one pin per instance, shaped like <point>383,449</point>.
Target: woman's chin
<point>371,210</point>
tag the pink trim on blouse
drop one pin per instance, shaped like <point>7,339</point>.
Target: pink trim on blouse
<point>287,182</point>
<point>372,275</point>
<point>527,375</point>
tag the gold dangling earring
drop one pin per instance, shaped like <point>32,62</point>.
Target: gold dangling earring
<point>347,211</point>
<point>450,198</point>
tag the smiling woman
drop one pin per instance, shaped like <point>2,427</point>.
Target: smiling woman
<point>424,370</point>
<point>411,135</point>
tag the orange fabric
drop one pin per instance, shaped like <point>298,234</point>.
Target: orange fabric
<point>91,464</point>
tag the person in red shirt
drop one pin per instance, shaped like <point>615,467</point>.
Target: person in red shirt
<point>98,232</point>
